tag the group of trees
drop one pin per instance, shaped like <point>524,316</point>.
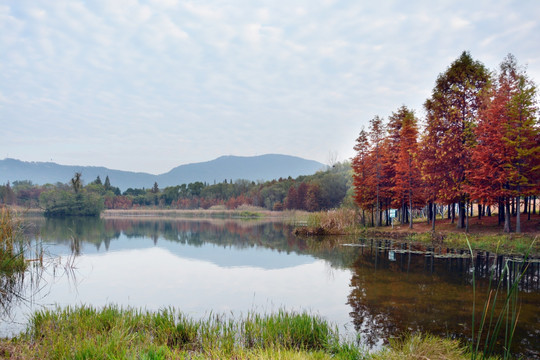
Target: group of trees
<point>323,190</point>
<point>74,201</point>
<point>480,144</point>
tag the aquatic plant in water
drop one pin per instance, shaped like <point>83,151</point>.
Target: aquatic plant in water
<point>500,312</point>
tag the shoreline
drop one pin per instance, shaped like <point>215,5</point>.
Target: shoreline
<point>484,234</point>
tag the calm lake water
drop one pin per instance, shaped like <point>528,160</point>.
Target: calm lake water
<point>370,289</point>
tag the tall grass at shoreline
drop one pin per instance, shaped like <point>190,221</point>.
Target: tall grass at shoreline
<point>335,222</point>
<point>11,245</point>
<point>111,332</point>
<point>500,312</point>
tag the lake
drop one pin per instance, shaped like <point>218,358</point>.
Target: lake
<point>371,289</point>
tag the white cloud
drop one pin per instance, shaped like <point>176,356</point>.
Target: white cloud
<point>202,11</point>
<point>165,3</point>
<point>458,23</point>
<point>37,14</point>
<point>252,33</point>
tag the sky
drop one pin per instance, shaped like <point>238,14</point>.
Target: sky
<point>147,85</point>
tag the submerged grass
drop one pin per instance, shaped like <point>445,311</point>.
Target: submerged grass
<point>11,245</point>
<point>500,312</point>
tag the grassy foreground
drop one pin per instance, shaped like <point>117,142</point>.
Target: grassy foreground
<point>115,333</point>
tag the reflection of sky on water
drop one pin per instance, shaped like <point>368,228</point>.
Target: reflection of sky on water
<point>224,256</point>
<point>197,280</point>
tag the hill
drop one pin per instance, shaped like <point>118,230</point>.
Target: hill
<point>254,168</point>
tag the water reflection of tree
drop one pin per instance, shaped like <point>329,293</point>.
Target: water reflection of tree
<point>392,294</point>
<point>11,292</point>
<point>194,232</point>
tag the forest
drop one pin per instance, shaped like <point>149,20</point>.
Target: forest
<point>480,147</point>
<point>323,190</point>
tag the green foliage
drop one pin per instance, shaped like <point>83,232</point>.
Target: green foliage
<point>59,203</point>
<point>323,190</point>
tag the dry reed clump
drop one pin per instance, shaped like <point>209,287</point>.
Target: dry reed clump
<point>338,221</point>
<point>415,347</point>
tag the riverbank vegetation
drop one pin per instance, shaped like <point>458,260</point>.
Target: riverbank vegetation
<point>483,235</point>
<point>112,332</point>
<point>11,245</point>
<point>324,190</point>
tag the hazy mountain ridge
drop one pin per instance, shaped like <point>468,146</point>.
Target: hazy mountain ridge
<point>263,167</point>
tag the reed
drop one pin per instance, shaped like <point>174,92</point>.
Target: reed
<point>500,311</point>
<point>335,222</point>
<point>11,244</point>
<point>412,347</point>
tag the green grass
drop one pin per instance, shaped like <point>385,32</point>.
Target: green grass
<point>500,243</point>
<point>111,332</point>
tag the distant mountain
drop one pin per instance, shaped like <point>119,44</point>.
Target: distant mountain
<point>253,168</point>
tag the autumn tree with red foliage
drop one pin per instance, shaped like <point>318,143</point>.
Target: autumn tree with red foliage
<point>481,144</point>
<point>452,114</point>
<point>362,172</point>
<point>506,155</point>
<point>407,172</point>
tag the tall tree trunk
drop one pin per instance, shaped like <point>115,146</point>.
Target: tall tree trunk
<point>488,211</point>
<point>363,217</point>
<point>467,216</point>
<point>518,212</point>
<point>479,211</point>
<point>462,214</point>
<point>507,225</point>
<point>501,211</point>
<point>378,212</point>
<point>410,207</point>
<point>434,216</point>
<point>453,213</point>
<point>534,205</point>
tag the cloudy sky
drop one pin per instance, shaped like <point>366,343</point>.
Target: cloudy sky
<point>146,85</point>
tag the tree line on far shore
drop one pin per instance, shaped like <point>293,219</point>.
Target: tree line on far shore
<point>323,190</point>
<point>480,146</point>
